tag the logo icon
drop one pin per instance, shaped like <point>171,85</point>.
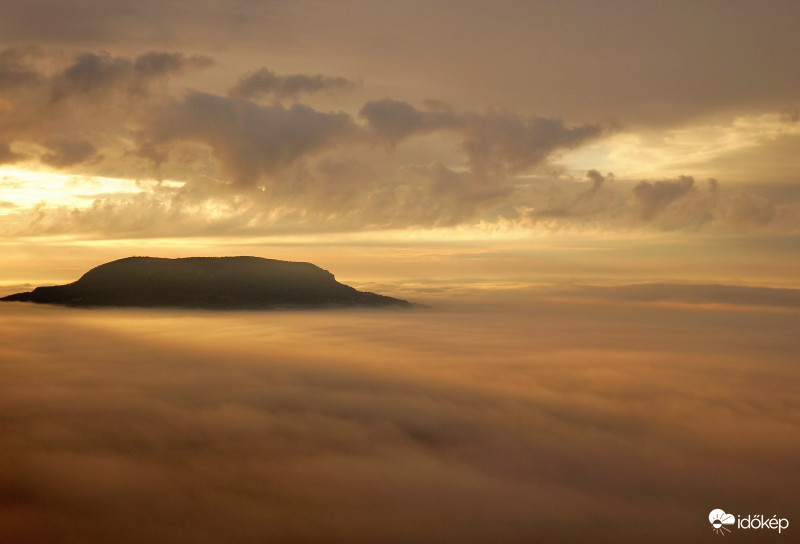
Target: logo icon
<point>719,519</point>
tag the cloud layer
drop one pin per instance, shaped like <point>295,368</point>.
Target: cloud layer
<point>628,61</point>
<point>457,426</point>
<point>99,113</point>
<point>245,162</point>
<point>265,82</point>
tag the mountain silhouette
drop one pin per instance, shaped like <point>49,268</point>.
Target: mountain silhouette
<point>223,283</point>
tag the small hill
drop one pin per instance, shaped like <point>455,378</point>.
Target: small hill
<point>221,283</point>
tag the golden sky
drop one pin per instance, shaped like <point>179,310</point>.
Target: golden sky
<point>231,120</point>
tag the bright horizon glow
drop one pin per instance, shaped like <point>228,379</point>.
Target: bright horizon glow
<point>695,149</point>
<point>47,188</point>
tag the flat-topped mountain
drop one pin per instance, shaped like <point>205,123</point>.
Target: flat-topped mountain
<point>206,282</point>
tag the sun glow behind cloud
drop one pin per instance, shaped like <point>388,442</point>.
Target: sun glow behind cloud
<point>39,188</point>
<point>695,149</point>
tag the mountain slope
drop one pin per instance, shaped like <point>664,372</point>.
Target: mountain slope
<point>206,282</point>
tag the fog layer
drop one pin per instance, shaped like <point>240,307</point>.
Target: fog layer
<point>575,420</point>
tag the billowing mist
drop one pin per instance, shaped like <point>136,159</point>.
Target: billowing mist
<point>624,415</point>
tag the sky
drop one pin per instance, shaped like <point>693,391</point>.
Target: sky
<point>225,120</point>
<point>597,205</point>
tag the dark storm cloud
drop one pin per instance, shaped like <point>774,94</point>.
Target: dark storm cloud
<point>275,148</point>
<point>519,142</point>
<point>265,82</point>
<point>63,152</point>
<point>159,64</point>
<point>655,197</point>
<point>596,178</point>
<point>493,140</point>
<point>250,140</point>
<point>93,92</point>
<point>392,120</point>
<point>91,72</point>
<point>97,72</point>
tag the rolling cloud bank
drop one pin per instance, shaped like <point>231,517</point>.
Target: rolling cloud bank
<point>550,419</point>
<point>256,160</point>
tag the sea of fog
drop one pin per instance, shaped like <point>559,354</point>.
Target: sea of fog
<point>509,415</point>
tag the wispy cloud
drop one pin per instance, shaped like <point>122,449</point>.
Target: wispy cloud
<point>265,82</point>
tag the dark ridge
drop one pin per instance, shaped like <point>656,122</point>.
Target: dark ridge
<point>219,283</point>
